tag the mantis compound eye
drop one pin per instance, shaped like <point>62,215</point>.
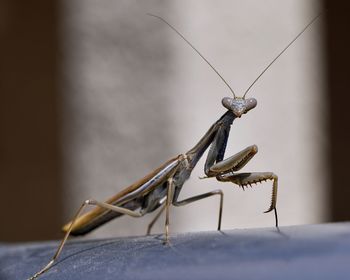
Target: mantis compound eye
<point>251,103</point>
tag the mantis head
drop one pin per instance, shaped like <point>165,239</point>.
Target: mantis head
<point>239,105</point>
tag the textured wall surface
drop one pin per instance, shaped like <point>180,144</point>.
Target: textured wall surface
<point>135,95</point>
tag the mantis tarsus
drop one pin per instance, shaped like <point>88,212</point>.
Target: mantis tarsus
<point>161,188</point>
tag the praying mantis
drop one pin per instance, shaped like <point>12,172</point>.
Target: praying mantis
<point>160,189</point>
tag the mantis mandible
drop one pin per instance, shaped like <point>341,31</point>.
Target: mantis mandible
<point>160,189</point>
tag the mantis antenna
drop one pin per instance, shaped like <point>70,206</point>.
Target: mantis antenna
<point>268,66</point>
<point>262,72</point>
<point>193,47</point>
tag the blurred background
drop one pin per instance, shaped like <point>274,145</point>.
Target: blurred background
<point>95,95</point>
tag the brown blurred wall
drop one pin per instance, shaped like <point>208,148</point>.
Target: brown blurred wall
<point>30,160</point>
<point>338,64</point>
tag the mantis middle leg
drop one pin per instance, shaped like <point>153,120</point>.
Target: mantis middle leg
<point>188,201</point>
<point>185,202</point>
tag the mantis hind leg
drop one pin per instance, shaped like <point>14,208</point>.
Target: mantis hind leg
<point>78,213</point>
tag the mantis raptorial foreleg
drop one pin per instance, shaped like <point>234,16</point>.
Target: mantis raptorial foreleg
<point>223,171</point>
<point>233,163</point>
<point>76,216</point>
<point>245,179</point>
